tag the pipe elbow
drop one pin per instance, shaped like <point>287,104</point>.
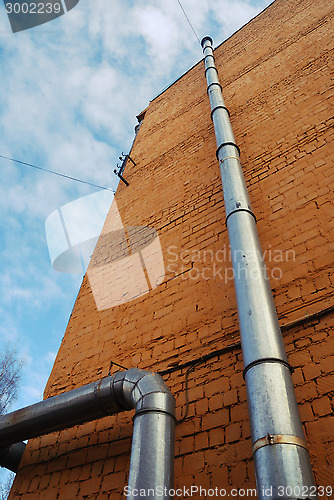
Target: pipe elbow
<point>144,391</point>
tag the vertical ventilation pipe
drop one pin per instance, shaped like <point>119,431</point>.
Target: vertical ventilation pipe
<point>281,459</point>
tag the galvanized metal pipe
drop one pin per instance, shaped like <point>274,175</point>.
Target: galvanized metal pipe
<point>281,459</point>
<point>11,456</point>
<point>152,452</point>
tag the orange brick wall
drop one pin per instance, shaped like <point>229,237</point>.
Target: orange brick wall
<point>276,78</point>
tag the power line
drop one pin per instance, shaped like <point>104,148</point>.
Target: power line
<point>57,173</point>
<point>191,26</point>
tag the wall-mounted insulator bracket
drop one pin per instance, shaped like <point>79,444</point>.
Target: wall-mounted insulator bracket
<point>124,158</point>
<point>121,177</point>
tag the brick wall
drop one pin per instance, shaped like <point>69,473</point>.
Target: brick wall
<point>276,78</point>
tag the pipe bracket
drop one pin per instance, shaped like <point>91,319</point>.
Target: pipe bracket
<point>271,439</point>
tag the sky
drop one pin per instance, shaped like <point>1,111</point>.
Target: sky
<point>70,93</point>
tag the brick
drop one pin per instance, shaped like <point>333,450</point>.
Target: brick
<point>217,436</point>
<point>238,475</point>
<point>321,430</point>
<point>97,468</point>
<point>216,402</point>
<point>57,464</point>
<point>233,433</point>
<point>327,364</point>
<point>202,480</point>
<point>69,491</point>
<point>89,487</point>
<point>55,479</point>
<point>322,350</point>
<point>113,482</point>
<point>85,472</point>
<point>245,429</point>
<point>242,394</point>
<point>195,393</point>
<point>187,444</point>
<point>215,419</point>
<point>306,412</point>
<point>186,480</point>
<point>322,406</point>
<point>239,412</point>
<point>202,406</point>
<point>122,463</point>
<point>230,397</point>
<point>303,342</point>
<point>243,450</point>
<point>306,392</point>
<point>74,474</point>
<point>44,481</point>
<point>34,485</point>
<point>77,458</point>
<point>311,371</point>
<point>193,462</point>
<point>217,387</point>
<point>297,376</point>
<point>237,380</point>
<point>219,477</point>
<point>98,452</point>
<point>53,494</point>
<point>188,427</point>
<point>201,440</point>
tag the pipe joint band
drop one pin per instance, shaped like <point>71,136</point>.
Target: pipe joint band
<point>211,67</point>
<point>215,83</point>
<point>235,212</point>
<point>206,39</point>
<point>219,107</point>
<point>267,360</point>
<point>226,144</point>
<point>272,439</point>
<point>153,410</point>
<point>210,55</point>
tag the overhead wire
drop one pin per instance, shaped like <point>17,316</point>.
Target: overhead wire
<point>184,12</point>
<point>57,173</point>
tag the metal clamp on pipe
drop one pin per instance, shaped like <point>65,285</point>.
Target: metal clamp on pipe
<point>271,439</point>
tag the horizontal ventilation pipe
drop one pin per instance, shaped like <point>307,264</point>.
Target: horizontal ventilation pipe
<point>152,452</point>
<point>281,459</point>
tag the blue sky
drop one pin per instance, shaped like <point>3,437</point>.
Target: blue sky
<point>70,93</point>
